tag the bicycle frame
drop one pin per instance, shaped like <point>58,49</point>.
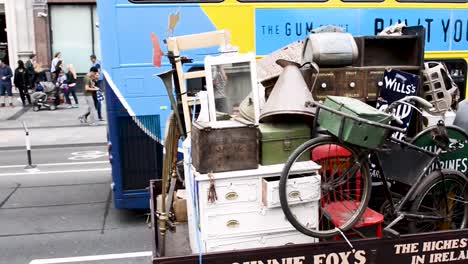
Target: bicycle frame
<point>410,194</point>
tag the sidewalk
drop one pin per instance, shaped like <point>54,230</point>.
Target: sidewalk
<point>47,128</point>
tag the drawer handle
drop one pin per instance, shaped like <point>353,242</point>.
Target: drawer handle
<point>233,224</point>
<point>231,196</point>
<point>294,194</point>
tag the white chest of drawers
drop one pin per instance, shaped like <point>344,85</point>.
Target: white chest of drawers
<point>247,212</point>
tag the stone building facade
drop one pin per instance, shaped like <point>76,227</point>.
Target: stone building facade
<point>43,27</point>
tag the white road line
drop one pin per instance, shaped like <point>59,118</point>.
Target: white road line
<point>92,258</point>
<point>57,164</point>
<point>52,172</point>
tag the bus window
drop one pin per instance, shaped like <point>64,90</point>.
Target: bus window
<point>457,70</point>
<point>281,1</point>
<point>196,85</point>
<point>361,1</point>
<point>173,1</point>
<point>433,1</point>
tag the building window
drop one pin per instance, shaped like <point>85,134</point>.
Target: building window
<point>75,34</point>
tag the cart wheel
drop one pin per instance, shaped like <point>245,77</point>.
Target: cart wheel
<point>35,108</point>
<point>53,107</point>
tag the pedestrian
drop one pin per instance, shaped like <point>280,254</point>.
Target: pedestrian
<point>30,72</point>
<point>57,58</point>
<point>5,84</point>
<point>40,74</point>
<point>58,68</point>
<point>71,84</point>
<point>96,63</point>
<point>21,82</point>
<point>62,86</point>
<point>89,87</point>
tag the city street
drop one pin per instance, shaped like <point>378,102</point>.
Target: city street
<point>64,209</point>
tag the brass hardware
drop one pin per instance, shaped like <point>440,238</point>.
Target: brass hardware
<point>233,224</point>
<point>231,196</point>
<point>294,194</point>
<point>287,144</point>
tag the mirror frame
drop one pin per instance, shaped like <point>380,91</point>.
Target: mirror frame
<point>229,58</point>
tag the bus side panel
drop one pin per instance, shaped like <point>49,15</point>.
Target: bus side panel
<point>136,156</point>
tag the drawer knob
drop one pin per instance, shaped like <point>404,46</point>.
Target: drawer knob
<point>294,194</point>
<point>352,84</point>
<point>324,85</point>
<point>233,224</point>
<point>231,196</point>
<point>380,83</point>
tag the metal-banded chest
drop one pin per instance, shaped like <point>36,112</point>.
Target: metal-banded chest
<point>247,212</point>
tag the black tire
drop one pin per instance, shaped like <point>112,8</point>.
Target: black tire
<point>437,192</point>
<point>332,189</point>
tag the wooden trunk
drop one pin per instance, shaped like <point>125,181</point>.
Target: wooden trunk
<point>229,146</point>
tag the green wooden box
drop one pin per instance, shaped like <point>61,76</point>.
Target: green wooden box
<point>278,141</point>
<point>354,132</point>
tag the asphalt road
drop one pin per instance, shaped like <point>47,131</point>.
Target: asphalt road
<point>64,210</point>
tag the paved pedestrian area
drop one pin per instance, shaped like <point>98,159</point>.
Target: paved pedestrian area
<point>49,128</point>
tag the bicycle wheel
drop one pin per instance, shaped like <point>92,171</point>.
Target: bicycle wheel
<point>443,194</point>
<point>344,189</point>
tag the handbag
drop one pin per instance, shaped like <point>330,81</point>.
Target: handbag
<point>100,95</point>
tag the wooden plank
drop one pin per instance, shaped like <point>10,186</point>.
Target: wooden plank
<point>194,75</point>
<point>197,41</point>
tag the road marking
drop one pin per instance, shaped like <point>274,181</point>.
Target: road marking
<point>87,155</point>
<point>93,258</point>
<point>52,172</point>
<point>56,164</point>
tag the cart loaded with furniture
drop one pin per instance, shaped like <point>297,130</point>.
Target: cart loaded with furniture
<point>335,149</point>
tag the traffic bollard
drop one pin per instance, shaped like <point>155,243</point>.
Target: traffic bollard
<point>28,149</point>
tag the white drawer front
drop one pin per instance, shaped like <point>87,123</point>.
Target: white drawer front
<point>300,190</point>
<point>227,223</point>
<point>230,191</point>
<point>257,241</point>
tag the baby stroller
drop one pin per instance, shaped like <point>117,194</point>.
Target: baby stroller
<point>45,96</point>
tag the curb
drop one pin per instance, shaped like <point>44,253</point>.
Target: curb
<point>51,127</point>
<point>92,144</point>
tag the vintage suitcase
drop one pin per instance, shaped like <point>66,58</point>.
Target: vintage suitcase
<point>224,146</point>
<point>278,141</point>
<point>354,132</point>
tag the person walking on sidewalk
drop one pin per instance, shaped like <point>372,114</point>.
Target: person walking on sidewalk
<point>30,72</point>
<point>21,82</point>
<point>5,84</point>
<point>89,88</point>
<point>98,95</point>
<point>71,83</point>
<point>57,58</point>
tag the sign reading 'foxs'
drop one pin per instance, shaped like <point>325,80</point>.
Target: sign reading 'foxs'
<point>397,85</point>
<point>440,251</point>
